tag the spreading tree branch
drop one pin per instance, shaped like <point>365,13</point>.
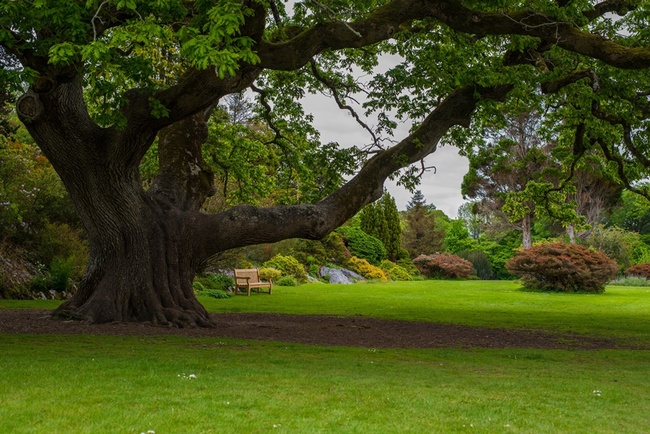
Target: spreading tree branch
<point>612,156</point>
<point>267,115</point>
<point>619,7</point>
<point>333,17</point>
<point>252,225</point>
<point>335,93</point>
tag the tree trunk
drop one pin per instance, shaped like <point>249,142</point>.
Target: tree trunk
<point>143,257</point>
<point>143,274</point>
<point>571,232</point>
<point>526,232</point>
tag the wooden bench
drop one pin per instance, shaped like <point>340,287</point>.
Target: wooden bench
<point>249,278</point>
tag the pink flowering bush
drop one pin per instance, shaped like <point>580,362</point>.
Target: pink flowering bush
<point>639,270</point>
<point>444,266</point>
<point>563,267</point>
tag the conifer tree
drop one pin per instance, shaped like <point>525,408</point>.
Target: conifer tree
<point>421,236</point>
<point>381,220</point>
<point>393,235</point>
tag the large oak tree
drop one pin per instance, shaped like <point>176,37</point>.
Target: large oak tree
<point>109,78</point>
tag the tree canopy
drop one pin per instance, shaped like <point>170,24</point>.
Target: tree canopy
<point>103,82</point>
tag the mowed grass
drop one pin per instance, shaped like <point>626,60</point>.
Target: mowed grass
<point>620,312</point>
<point>105,384</point>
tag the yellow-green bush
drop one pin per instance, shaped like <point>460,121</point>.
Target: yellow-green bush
<point>270,274</point>
<point>288,265</point>
<point>366,269</point>
<point>394,271</point>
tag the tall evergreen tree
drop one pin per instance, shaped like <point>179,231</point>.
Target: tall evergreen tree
<point>417,199</point>
<point>422,235</point>
<point>381,220</point>
<point>393,235</point>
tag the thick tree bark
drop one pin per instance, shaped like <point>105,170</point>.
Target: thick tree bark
<point>144,275</point>
<point>142,260</point>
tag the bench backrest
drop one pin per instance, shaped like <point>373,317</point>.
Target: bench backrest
<point>253,275</point>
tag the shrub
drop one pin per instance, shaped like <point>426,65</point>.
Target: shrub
<point>444,266</point>
<point>270,274</point>
<point>617,243</point>
<point>221,281</point>
<point>366,269</point>
<point>500,252</point>
<point>362,245</point>
<point>563,267</point>
<point>65,242</point>
<point>480,261</point>
<point>59,277</point>
<point>288,265</point>
<point>630,281</point>
<point>329,249</point>
<point>214,293</point>
<point>287,281</point>
<point>407,264</point>
<point>639,270</point>
<point>641,253</point>
<point>215,281</point>
<point>313,270</point>
<point>394,271</point>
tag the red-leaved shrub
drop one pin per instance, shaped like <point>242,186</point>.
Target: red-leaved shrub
<point>639,270</point>
<point>444,266</point>
<point>563,267</point>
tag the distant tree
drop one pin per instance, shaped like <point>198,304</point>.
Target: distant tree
<point>593,191</point>
<point>507,170</point>
<point>393,240</point>
<point>632,213</point>
<point>457,237</point>
<point>422,236</point>
<point>416,199</point>
<point>371,220</point>
<point>474,220</point>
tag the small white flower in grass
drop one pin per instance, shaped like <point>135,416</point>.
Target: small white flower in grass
<point>187,377</point>
<point>597,392</point>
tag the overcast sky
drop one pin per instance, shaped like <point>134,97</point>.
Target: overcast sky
<point>441,188</point>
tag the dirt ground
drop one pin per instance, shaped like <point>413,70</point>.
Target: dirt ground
<point>321,330</point>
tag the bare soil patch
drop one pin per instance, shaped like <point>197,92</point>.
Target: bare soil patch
<point>321,330</point>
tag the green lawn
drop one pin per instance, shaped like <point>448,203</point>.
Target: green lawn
<point>620,311</point>
<point>104,384</point>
